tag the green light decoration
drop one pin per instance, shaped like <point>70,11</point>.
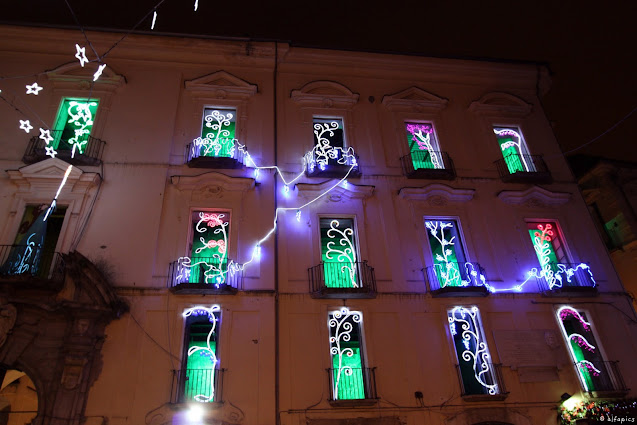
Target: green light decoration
<point>600,411</point>
<point>338,248</point>
<point>209,252</point>
<point>345,347</point>
<point>422,142</point>
<point>74,123</point>
<point>199,382</point>
<point>217,134</point>
<point>513,149</point>
<point>446,256</point>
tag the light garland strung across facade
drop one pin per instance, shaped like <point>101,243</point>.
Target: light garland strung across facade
<point>207,351</point>
<point>563,274</point>
<point>341,324</point>
<point>474,351</point>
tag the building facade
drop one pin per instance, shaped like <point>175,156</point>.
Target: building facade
<point>257,233</point>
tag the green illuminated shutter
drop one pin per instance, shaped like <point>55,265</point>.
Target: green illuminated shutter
<point>347,360</point>
<point>338,252</point>
<point>199,381</point>
<point>74,123</point>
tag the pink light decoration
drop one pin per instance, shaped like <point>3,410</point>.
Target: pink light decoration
<point>566,311</point>
<point>213,220</point>
<point>221,244</point>
<point>581,341</point>
<point>546,232</point>
<point>425,128</point>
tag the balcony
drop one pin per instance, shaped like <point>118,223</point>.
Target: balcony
<point>342,280</point>
<point>517,168</point>
<point>568,279</point>
<point>334,163</point>
<point>197,385</point>
<point>199,154</point>
<point>490,389</point>
<point>91,154</point>
<point>453,279</point>
<point>30,261</point>
<point>352,386</point>
<point>434,165</point>
<point>204,275</point>
<point>607,383</point>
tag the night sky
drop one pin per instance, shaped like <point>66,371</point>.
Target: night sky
<point>589,47</point>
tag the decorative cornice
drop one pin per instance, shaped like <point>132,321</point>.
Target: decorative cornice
<point>344,190</point>
<point>212,179</point>
<point>534,197</point>
<point>414,99</point>
<point>220,85</point>
<point>325,94</point>
<point>499,104</point>
<point>436,192</point>
<point>48,174</point>
<point>72,76</point>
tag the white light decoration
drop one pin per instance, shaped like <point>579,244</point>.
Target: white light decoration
<point>478,355</point>
<point>45,135</point>
<point>50,151</point>
<point>53,203</point>
<point>217,138</point>
<point>81,118</point>
<point>341,323</point>
<point>323,151</point>
<point>563,274</point>
<point>421,133</point>
<point>26,126</point>
<point>33,88</point>
<point>196,5</point>
<point>207,350</point>
<point>342,250</point>
<point>99,71</point>
<point>517,142</point>
<point>81,55</point>
<point>152,25</point>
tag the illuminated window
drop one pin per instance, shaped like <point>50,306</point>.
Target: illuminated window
<point>423,146</point>
<point>550,250</point>
<point>73,124</point>
<point>330,147</point>
<point>346,349</point>
<point>339,252</point>
<point>449,260</point>
<point>209,247</point>
<point>218,131</point>
<point>514,150</point>
<point>33,250</point>
<point>474,361</point>
<point>583,348</point>
<point>198,378</point>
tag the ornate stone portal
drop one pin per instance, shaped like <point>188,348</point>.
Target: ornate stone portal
<point>53,330</point>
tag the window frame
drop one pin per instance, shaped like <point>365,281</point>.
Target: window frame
<point>436,147</point>
<point>356,239</point>
<point>235,119</point>
<point>524,147</point>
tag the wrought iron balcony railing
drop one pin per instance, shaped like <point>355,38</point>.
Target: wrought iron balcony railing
<point>91,152</point>
<point>456,279</point>
<point>516,168</point>
<point>30,260</point>
<point>604,378</point>
<point>205,274</point>
<point>334,163</point>
<point>566,277</point>
<point>349,383</point>
<point>200,155</point>
<point>490,384</point>
<point>342,280</point>
<point>428,165</point>
<point>197,385</point>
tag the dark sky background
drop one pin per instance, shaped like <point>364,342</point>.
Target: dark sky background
<point>589,47</point>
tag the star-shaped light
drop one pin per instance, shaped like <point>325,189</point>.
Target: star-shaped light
<point>45,135</point>
<point>25,125</point>
<point>33,89</point>
<point>81,55</point>
<point>50,151</point>
<point>98,73</point>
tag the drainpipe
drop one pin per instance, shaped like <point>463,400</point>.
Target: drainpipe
<point>276,243</point>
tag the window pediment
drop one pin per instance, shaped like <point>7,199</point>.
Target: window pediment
<point>325,94</point>
<point>534,196</point>
<point>436,192</point>
<point>342,191</point>
<point>221,85</point>
<point>500,105</point>
<point>414,99</point>
<point>211,180</point>
<point>72,77</point>
<point>48,174</point>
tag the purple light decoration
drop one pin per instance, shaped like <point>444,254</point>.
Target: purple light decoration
<point>566,311</point>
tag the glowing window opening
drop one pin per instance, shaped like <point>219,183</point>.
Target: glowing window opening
<point>339,252</point>
<point>472,352</point>
<point>218,132</point>
<point>514,149</point>
<point>423,146</point>
<point>73,124</point>
<point>346,350</point>
<point>209,244</point>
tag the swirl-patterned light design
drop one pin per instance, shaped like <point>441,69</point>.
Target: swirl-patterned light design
<point>81,118</point>
<point>342,250</point>
<point>323,150</point>
<point>476,352</point>
<point>341,323</point>
<point>217,138</point>
<point>207,350</point>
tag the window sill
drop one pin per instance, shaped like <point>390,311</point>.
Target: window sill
<point>480,398</point>
<point>528,177</point>
<point>202,288</point>
<point>607,394</point>
<point>364,402</point>
<point>572,291</point>
<point>460,291</point>
<point>432,174</point>
<point>341,293</point>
